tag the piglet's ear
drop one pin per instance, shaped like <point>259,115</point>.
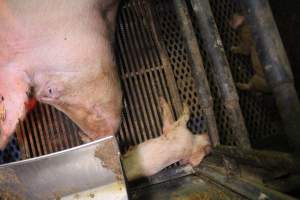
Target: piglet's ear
<point>236,21</point>
<point>168,119</point>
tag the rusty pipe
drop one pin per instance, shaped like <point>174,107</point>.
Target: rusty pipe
<point>276,66</point>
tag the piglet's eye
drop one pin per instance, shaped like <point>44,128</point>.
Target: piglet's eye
<point>2,98</point>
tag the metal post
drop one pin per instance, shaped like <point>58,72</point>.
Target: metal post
<point>222,75</point>
<point>197,68</point>
<point>276,65</point>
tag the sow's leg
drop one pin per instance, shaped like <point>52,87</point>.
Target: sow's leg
<point>176,143</point>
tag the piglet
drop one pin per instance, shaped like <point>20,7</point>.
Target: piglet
<point>247,47</point>
<point>176,143</point>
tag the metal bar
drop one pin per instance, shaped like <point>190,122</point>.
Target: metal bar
<point>35,139</point>
<point>40,131</point>
<point>57,133</point>
<point>69,133</point>
<point>45,129</point>
<point>31,139</point>
<point>130,95</point>
<point>143,53</point>
<point>248,189</point>
<point>176,104</point>
<point>223,78</point>
<point>20,135</point>
<point>290,183</point>
<point>87,167</point>
<point>62,130</point>
<point>197,68</point>
<point>51,127</point>
<point>141,61</point>
<point>26,150</point>
<point>270,160</point>
<point>163,176</point>
<point>276,66</point>
<point>124,61</point>
<point>150,67</point>
<point>74,131</point>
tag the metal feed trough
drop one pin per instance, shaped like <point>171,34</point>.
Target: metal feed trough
<point>180,50</point>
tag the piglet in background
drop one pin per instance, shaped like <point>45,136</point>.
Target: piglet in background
<point>247,47</point>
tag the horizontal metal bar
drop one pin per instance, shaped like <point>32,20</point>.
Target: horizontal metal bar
<point>247,189</point>
<point>93,165</point>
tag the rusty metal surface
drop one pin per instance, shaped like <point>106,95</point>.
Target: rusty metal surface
<point>65,173</point>
<point>270,160</point>
<point>259,110</point>
<point>197,68</point>
<point>186,188</point>
<point>277,69</point>
<point>170,37</point>
<point>246,188</point>
<point>226,102</point>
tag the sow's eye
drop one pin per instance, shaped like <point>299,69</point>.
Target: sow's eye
<point>1,98</point>
<point>49,93</point>
<point>52,92</point>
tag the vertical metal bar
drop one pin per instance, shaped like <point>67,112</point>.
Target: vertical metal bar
<point>214,47</point>
<point>135,33</point>
<point>33,152</point>
<point>57,133</point>
<point>164,59</point>
<point>69,134</point>
<point>197,68</point>
<point>146,72</point>
<point>129,94</point>
<point>276,66</point>
<point>59,116</point>
<point>25,141</point>
<point>51,127</point>
<point>21,141</point>
<point>39,130</point>
<point>45,125</point>
<point>75,131</point>
<point>35,133</point>
<point>124,62</point>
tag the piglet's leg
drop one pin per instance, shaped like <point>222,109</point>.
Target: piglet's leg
<point>176,143</point>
